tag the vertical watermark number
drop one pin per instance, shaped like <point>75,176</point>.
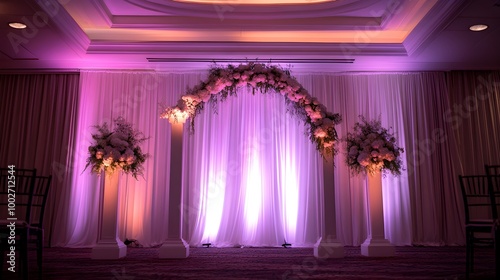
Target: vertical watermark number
<point>11,218</point>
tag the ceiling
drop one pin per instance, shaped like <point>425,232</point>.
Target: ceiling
<point>335,35</point>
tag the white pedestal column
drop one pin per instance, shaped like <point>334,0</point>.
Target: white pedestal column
<point>376,245</point>
<point>328,246</point>
<point>108,246</point>
<point>175,247</point>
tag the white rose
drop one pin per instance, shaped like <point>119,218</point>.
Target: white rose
<point>99,154</point>
<point>390,156</point>
<point>129,152</point>
<point>107,161</point>
<point>363,159</point>
<point>315,115</point>
<point>377,144</point>
<point>260,78</point>
<point>130,160</point>
<point>320,133</point>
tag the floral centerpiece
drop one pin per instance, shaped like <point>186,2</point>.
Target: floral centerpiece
<point>224,81</point>
<point>372,148</point>
<point>117,149</point>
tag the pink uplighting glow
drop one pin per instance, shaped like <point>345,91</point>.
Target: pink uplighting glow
<point>290,134</point>
<point>253,194</point>
<point>250,175</point>
<point>212,201</point>
<point>290,194</point>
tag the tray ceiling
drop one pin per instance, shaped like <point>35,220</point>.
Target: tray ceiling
<point>406,34</point>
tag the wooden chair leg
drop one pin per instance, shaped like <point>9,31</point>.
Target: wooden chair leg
<point>496,231</point>
<point>39,250</point>
<point>497,256</point>
<point>24,254</point>
<point>472,254</point>
<point>467,254</point>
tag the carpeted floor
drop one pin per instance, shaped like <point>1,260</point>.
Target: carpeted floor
<point>263,263</point>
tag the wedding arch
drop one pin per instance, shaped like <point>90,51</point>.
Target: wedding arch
<point>223,81</point>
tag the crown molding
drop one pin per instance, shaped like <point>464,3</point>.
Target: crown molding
<point>235,11</point>
<point>181,23</point>
<point>435,21</point>
<point>103,11</point>
<point>232,48</point>
<point>65,25</point>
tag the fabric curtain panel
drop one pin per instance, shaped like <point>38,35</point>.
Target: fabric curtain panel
<point>38,114</point>
<point>143,208</point>
<point>431,153</point>
<point>474,118</point>
<point>400,101</point>
<point>374,97</point>
<point>251,176</point>
<point>245,183</point>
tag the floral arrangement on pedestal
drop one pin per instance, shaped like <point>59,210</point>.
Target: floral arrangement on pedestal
<point>372,148</point>
<point>117,149</point>
<point>224,81</point>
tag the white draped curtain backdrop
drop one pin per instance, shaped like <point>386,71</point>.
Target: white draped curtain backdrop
<point>251,176</point>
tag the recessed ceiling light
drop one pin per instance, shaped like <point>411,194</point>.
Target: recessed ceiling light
<point>17,25</point>
<point>478,27</point>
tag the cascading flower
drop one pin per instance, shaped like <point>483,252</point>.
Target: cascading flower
<point>372,148</point>
<point>224,81</point>
<point>117,149</point>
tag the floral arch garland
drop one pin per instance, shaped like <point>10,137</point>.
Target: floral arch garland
<point>224,81</point>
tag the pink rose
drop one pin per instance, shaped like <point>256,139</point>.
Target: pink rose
<point>377,144</point>
<point>99,154</point>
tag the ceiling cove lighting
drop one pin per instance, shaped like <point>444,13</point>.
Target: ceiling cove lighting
<point>17,25</point>
<point>478,27</point>
<point>255,2</point>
